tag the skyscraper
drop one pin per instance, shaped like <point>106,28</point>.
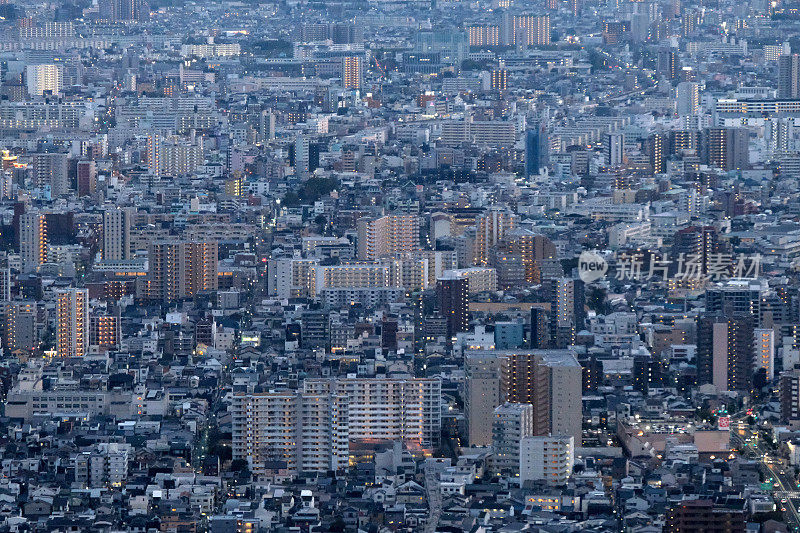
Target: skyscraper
<point>33,240</point>
<point>72,316</point>
<point>116,234</point>
<point>789,76</point>
<point>452,296</point>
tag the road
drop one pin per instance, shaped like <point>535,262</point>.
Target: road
<point>434,498</point>
<point>785,483</point>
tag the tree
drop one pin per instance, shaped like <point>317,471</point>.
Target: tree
<point>312,190</point>
<point>239,465</point>
<point>596,300</point>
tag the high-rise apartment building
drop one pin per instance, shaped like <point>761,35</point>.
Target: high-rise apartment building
<point>180,270</point>
<point>47,78</point>
<point>534,248</point>
<point>540,329</point>
<point>726,148</point>
<point>669,63</point>
<point>658,150</point>
<point>725,356</point>
<point>499,79</point>
<point>72,319</point>
<point>789,393</point>
<point>312,429</point>
<point>789,76</point>
<point>50,169</point>
<point>549,380</point>
<point>387,236</point>
<point>172,156</point>
<point>301,155</point>
<point>700,248</point>
<point>5,284</point>
<point>352,72</point>
<point>736,297</point>
<point>452,298</point>
<point>124,10</point>
<point>567,309</point>
<point>105,331</point>
<point>116,234</point>
<point>491,227</point>
<point>511,423</point>
<point>33,240</point>
<point>526,30</point>
<point>615,148</point>
<point>694,516</point>
<point>483,35</point>
<point>535,150</point>
<point>351,275</point>
<point>546,458</point>
<point>21,319</point>
<point>482,394</point>
<point>86,177</point>
<point>687,98</point>
<point>764,351</point>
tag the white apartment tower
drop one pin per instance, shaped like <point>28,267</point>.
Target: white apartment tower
<point>511,423</point>
<point>547,458</point>
<point>44,78</point>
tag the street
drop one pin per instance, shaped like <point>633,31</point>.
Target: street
<point>742,435</point>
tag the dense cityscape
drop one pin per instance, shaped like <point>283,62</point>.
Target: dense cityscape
<point>417,266</point>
